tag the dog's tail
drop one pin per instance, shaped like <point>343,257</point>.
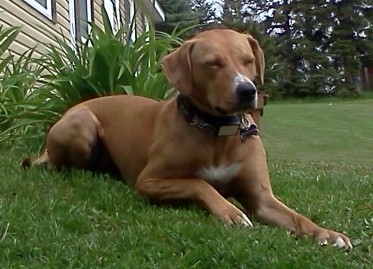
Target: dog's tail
<point>41,160</point>
<point>26,163</point>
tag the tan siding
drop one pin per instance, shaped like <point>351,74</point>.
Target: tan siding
<point>139,23</point>
<point>124,3</point>
<point>19,13</point>
<point>139,15</point>
<point>97,13</point>
<point>19,48</point>
<point>63,15</point>
<point>122,11</point>
<point>3,22</point>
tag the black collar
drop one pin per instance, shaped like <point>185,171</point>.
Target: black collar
<point>216,125</point>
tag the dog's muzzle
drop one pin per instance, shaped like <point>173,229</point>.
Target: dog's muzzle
<point>246,92</point>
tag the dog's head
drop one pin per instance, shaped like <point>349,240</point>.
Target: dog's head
<point>216,69</point>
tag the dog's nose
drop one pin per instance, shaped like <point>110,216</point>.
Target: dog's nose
<point>246,91</point>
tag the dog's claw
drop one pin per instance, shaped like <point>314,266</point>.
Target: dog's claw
<point>233,216</point>
<point>338,243</point>
<point>246,221</point>
<point>323,243</point>
<point>243,220</point>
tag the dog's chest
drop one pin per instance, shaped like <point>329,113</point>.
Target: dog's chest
<point>221,174</point>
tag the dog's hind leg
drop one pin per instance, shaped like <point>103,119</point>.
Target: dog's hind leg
<point>72,140</point>
<point>43,159</point>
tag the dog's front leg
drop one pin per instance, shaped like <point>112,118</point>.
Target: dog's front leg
<point>272,211</point>
<point>253,190</point>
<point>196,190</point>
<point>257,197</point>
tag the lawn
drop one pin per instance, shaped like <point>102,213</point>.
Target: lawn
<point>321,162</point>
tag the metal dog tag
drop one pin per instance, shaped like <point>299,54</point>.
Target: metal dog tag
<point>226,130</point>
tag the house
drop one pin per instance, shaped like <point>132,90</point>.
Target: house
<point>69,18</point>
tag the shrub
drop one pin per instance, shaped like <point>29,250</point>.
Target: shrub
<point>107,63</point>
<point>18,76</point>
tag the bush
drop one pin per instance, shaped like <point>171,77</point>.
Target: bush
<point>18,76</point>
<point>107,63</point>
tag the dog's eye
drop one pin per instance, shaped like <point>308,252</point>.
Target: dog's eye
<point>248,61</point>
<point>215,64</point>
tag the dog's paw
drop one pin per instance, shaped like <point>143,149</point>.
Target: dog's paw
<point>338,240</point>
<point>234,216</point>
<point>244,220</point>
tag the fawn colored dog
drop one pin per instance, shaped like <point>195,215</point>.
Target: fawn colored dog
<point>200,146</point>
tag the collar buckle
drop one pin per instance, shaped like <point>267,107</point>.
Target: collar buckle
<point>201,124</point>
<point>247,129</point>
<point>218,126</point>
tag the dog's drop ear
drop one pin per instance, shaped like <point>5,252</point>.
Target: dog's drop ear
<point>178,70</point>
<point>259,58</point>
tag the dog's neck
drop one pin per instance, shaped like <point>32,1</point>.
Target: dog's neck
<point>216,125</point>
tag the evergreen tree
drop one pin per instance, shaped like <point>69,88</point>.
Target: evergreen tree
<point>204,11</point>
<point>232,13</point>
<point>319,41</point>
<point>350,38</point>
<point>178,14</point>
<point>311,47</point>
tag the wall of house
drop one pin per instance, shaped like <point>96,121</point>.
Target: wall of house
<point>33,23</point>
<point>97,18</point>
<point>139,23</point>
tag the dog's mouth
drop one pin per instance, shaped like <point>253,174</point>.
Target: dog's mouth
<point>221,111</point>
<point>240,108</point>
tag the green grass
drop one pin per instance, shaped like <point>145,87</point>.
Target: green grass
<point>326,131</point>
<point>77,220</point>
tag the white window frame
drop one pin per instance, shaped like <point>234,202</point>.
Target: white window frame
<point>89,19</point>
<point>46,11</point>
<point>131,17</point>
<point>112,9</point>
<point>159,10</point>
<point>147,24</point>
<point>73,22</point>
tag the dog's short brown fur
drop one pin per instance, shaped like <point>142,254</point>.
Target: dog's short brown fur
<point>167,159</point>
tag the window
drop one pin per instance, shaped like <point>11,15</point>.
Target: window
<point>130,17</point>
<point>72,23</point>
<point>112,10</point>
<point>80,12</point>
<point>45,7</point>
<point>84,16</point>
<point>145,23</point>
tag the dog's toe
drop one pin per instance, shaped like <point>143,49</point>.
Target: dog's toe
<point>342,243</point>
<point>323,243</point>
<point>246,221</point>
<point>233,216</point>
<point>336,240</point>
<point>243,220</point>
